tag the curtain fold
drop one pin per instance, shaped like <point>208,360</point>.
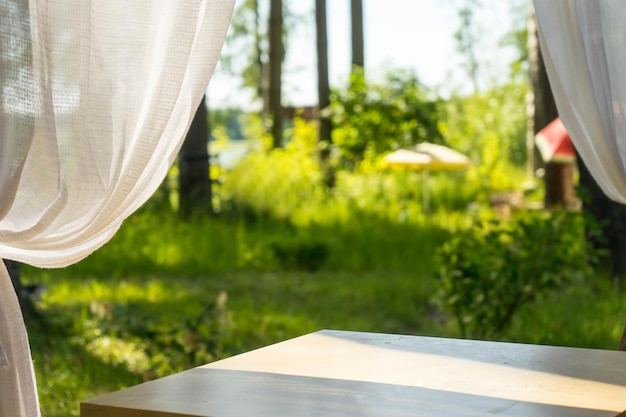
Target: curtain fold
<point>584,48</point>
<point>18,391</point>
<point>95,101</point>
<point>110,92</point>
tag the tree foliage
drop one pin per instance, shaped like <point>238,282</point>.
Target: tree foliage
<point>247,50</point>
<point>466,37</point>
<point>247,44</point>
<point>489,127</point>
<point>517,38</point>
<point>380,117</point>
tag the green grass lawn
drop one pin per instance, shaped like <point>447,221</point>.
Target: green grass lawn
<point>164,296</point>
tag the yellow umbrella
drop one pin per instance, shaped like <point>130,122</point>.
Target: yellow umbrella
<point>407,159</point>
<point>442,157</point>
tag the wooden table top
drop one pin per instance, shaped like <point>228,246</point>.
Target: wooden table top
<point>338,373</point>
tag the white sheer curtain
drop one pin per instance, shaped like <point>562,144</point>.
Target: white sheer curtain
<point>95,100</point>
<point>583,43</point>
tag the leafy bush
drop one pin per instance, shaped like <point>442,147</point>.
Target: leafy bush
<point>491,270</point>
<point>280,181</point>
<point>382,117</point>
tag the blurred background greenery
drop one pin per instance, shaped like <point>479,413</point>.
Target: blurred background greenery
<point>286,255</point>
<point>309,233</point>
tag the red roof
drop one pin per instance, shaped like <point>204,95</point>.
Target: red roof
<point>554,143</point>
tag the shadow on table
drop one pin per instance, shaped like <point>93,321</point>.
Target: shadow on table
<point>225,393</point>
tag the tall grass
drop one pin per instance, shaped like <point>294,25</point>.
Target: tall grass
<point>102,318</point>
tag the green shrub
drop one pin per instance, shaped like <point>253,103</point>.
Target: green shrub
<point>491,270</point>
<point>279,182</point>
<point>381,117</point>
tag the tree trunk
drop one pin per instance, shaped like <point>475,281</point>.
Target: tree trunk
<point>542,110</point>
<point>323,93</point>
<point>535,61</point>
<point>276,54</point>
<point>25,293</point>
<point>323,85</point>
<point>262,65</point>
<point>194,183</point>
<point>610,221</point>
<point>559,183</point>
<point>358,54</point>
<point>14,270</point>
